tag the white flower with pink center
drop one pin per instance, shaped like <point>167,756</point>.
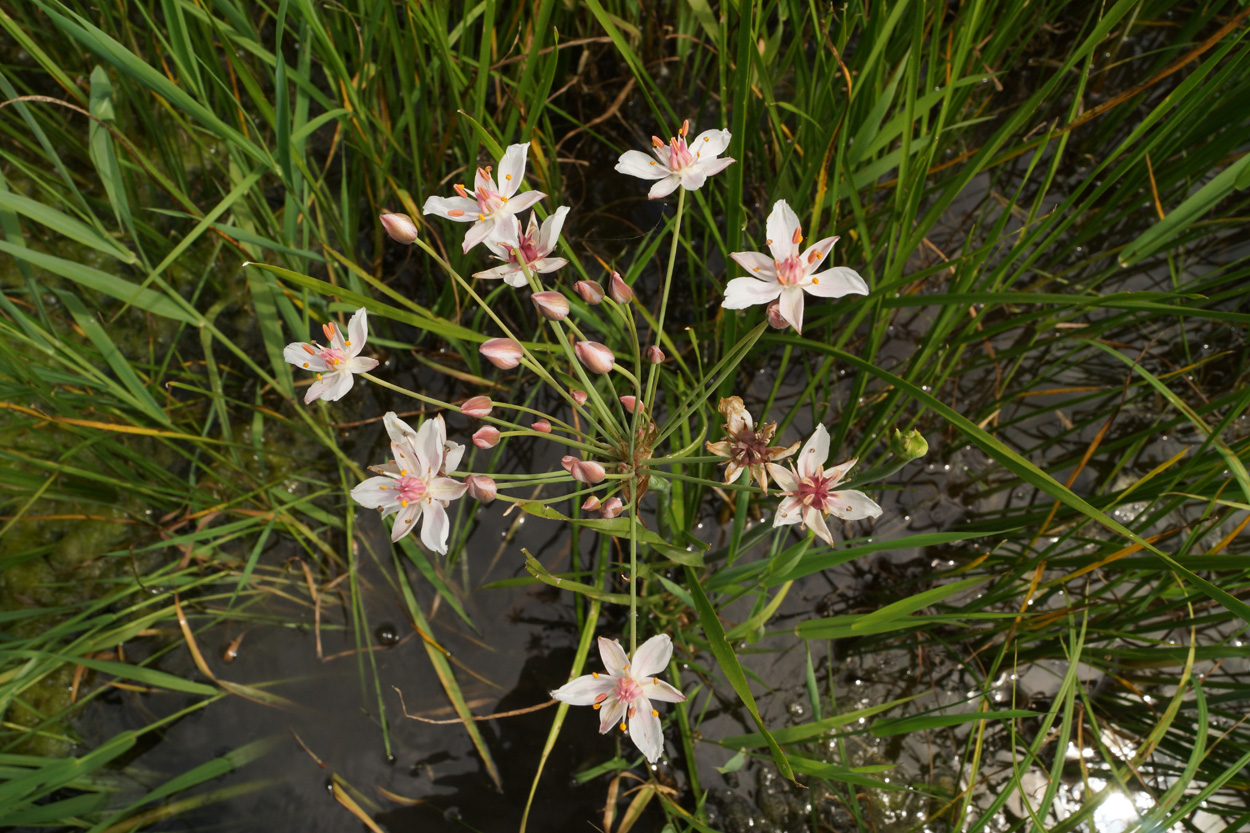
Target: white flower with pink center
<point>789,273</point>
<point>678,163</point>
<point>491,207</point>
<point>811,491</point>
<point>414,485</point>
<point>623,695</point>
<point>335,363</point>
<point>534,247</point>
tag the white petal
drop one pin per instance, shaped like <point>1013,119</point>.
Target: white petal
<point>376,492</point>
<point>838,472</point>
<point>360,364</point>
<point>398,430</point>
<point>710,143</point>
<point>482,182</point>
<point>548,264</point>
<point>515,279</point>
<point>517,204</point>
<point>453,454</point>
<point>445,488</point>
<point>741,293</point>
<point>477,233</point>
<point>784,478</point>
<point>811,459</point>
<point>789,511</point>
<point>662,691</point>
<point>405,456</point>
<point>428,445</point>
<point>614,657</point>
<point>444,206</point>
<point>584,690</point>
<point>512,168</point>
<point>692,178</point>
<point>645,730</point>
<point>664,187</point>
<point>498,272</point>
<point>405,520</point>
<point>791,308</point>
<point>298,356</point>
<point>436,528</point>
<point>757,264</point>
<point>636,163</point>
<point>357,332</point>
<point>836,282</point>
<point>652,657</point>
<point>852,505</point>
<point>549,234</point>
<point>814,521</point>
<point>335,386</point>
<point>612,713</point>
<point>782,223</point>
<point>815,255</point>
<point>713,166</point>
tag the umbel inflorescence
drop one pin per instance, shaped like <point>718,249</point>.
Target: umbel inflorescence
<point>608,425</point>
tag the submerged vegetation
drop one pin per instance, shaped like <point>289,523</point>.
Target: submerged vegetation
<point>1044,629</point>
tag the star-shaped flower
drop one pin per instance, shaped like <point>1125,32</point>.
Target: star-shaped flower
<point>677,163</point>
<point>414,484</point>
<point>491,208</point>
<point>335,363</point>
<point>812,492</point>
<point>788,274</point>
<point>534,246</point>
<point>747,446</point>
<point>626,691</point>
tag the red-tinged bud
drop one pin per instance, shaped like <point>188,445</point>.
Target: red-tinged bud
<point>567,461</point>
<point>591,292</point>
<point>478,406</point>
<point>542,425</point>
<point>486,437</point>
<point>619,290</point>
<point>774,316</point>
<point>597,357</point>
<point>481,488</point>
<point>654,354</point>
<point>579,396</point>
<point>613,507</point>
<point>592,504</point>
<point>400,227</point>
<point>551,305</point>
<point>630,403</point>
<point>587,471</point>
<point>503,353</point>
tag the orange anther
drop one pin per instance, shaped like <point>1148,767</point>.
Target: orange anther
<point>655,140</point>
<point>798,236</point>
<point>455,212</point>
<point>308,348</point>
<point>685,128</point>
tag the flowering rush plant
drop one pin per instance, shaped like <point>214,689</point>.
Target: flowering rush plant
<point>622,431</point>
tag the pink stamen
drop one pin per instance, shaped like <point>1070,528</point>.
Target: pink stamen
<point>411,488</point>
<point>627,690</point>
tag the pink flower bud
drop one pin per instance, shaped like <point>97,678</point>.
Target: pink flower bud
<point>486,437</point>
<point>597,357</point>
<point>503,353</point>
<point>613,507</point>
<point>654,354</point>
<point>478,406</point>
<point>551,305</point>
<point>619,290</point>
<point>773,314</point>
<point>567,461</point>
<point>591,292</point>
<point>542,425</point>
<point>591,504</point>
<point>481,488</point>
<point>630,403</point>
<point>400,227</point>
<point>579,396</point>
<point>587,471</point>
